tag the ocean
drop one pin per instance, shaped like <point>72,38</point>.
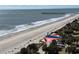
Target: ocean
<point>12,21</point>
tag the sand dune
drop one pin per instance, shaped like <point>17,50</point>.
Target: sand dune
<point>13,43</point>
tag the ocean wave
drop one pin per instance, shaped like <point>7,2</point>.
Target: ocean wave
<point>33,24</point>
<point>5,32</point>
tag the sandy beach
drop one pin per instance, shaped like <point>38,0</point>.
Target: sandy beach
<point>14,42</point>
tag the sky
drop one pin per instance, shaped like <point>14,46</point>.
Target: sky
<point>37,6</point>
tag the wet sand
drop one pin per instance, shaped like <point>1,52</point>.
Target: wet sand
<point>14,42</point>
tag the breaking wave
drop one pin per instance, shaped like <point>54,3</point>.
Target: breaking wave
<point>19,28</point>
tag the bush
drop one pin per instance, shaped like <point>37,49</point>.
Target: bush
<point>23,51</point>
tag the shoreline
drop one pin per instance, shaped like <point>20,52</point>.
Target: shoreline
<point>30,29</point>
<point>17,40</point>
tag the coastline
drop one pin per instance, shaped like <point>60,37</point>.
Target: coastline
<point>21,39</point>
<point>31,29</point>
